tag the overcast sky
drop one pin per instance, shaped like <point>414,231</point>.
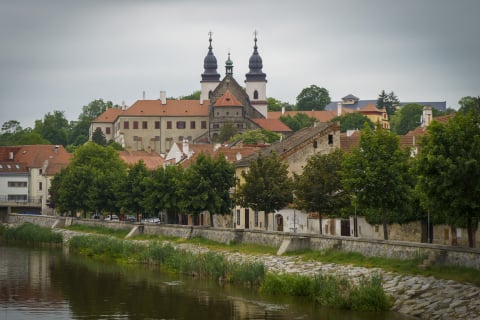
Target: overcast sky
<point>61,55</point>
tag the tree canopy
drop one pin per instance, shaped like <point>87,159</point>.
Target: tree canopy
<point>388,102</point>
<point>377,173</point>
<point>313,98</point>
<point>353,121</point>
<point>298,121</point>
<point>256,136</point>
<point>267,186</point>
<point>448,170</point>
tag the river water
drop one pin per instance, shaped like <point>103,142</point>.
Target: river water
<point>40,284</point>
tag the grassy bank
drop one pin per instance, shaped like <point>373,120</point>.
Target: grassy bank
<point>29,233</point>
<point>327,290</point>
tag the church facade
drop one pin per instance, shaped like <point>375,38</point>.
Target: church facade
<point>156,125</point>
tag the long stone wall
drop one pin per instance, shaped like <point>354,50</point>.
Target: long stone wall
<point>431,253</point>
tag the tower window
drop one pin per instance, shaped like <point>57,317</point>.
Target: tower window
<point>330,139</point>
<point>255,94</point>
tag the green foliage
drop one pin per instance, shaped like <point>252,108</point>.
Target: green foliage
<point>378,174</point>
<point>276,105</point>
<point>31,234</point>
<point>353,121</point>
<point>388,102</point>
<point>193,96</point>
<point>256,136</point>
<point>448,171</point>
<point>469,103</point>
<point>163,191</point>
<point>329,290</point>
<point>313,98</point>
<point>103,247</point>
<point>298,121</point>
<point>90,181</point>
<point>267,185</point>
<point>132,190</point>
<point>54,127</point>
<point>227,131</point>
<point>319,188</point>
<point>99,137</point>
<point>206,185</point>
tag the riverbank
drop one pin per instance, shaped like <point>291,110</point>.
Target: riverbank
<point>418,296</point>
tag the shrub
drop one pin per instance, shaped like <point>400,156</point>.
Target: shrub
<point>32,234</point>
<point>369,295</point>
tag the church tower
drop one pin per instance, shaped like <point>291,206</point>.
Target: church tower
<point>256,82</point>
<point>210,76</point>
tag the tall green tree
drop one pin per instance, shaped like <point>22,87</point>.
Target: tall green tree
<point>408,118</point>
<point>389,102</point>
<point>267,186</point>
<point>89,181</point>
<point>353,121</point>
<point>377,174</point>
<point>256,136</point>
<point>227,131</point>
<point>193,96</point>
<point>206,186</point>
<point>448,170</point>
<point>469,103</point>
<point>163,192</point>
<point>131,191</point>
<point>99,137</point>
<point>277,105</point>
<point>313,98</point>
<point>319,188</point>
<point>54,127</point>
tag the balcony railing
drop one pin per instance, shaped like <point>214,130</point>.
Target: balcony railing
<point>28,201</point>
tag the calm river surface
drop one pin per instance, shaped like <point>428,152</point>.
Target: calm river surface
<point>48,284</point>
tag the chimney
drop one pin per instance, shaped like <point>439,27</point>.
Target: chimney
<point>283,110</point>
<point>163,97</point>
<point>143,95</point>
<point>426,116</point>
<point>339,109</point>
<point>185,148</point>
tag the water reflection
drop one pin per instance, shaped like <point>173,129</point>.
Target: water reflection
<point>45,284</point>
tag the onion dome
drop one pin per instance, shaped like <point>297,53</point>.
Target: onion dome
<point>210,64</point>
<point>255,64</point>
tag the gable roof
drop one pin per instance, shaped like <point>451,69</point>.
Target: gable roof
<point>274,125</point>
<point>110,115</point>
<point>50,157</point>
<point>227,100</point>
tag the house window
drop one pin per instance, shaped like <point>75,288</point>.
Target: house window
<point>17,184</point>
<point>144,125</point>
<point>238,217</point>
<point>204,125</point>
<point>228,113</point>
<point>17,197</point>
<point>330,139</point>
<point>40,186</point>
<point>180,138</point>
<point>377,228</point>
<point>256,218</point>
<point>315,145</point>
<point>192,124</point>
<point>169,124</point>
<point>157,124</point>
<point>135,138</point>
<point>215,126</point>
<point>255,94</point>
<point>157,138</point>
<point>135,124</point>
<point>126,125</point>
<point>107,130</point>
<point>181,125</point>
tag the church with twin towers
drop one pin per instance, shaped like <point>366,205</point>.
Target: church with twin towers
<point>156,125</point>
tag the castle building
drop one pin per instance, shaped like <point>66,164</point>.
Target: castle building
<point>156,125</point>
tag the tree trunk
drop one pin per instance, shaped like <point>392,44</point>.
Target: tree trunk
<point>385,225</point>
<point>471,240</point>
<point>211,219</point>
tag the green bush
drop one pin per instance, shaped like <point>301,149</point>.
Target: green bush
<point>369,295</point>
<point>248,273</point>
<point>32,234</point>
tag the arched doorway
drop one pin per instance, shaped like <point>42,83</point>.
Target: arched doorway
<point>279,222</point>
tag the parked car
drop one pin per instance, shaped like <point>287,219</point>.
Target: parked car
<point>112,217</point>
<point>130,219</point>
<point>96,216</point>
<point>151,220</point>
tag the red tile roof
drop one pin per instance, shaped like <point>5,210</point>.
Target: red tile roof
<point>370,108</point>
<point>274,125</point>
<point>227,100</point>
<point>110,115</point>
<point>152,160</point>
<point>35,156</point>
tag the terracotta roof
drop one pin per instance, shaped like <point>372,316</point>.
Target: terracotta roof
<point>35,156</point>
<point>370,108</point>
<point>274,125</point>
<point>110,115</point>
<point>152,160</point>
<point>347,143</point>
<point>227,100</point>
<point>171,108</point>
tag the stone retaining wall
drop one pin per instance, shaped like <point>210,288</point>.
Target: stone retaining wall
<point>436,254</point>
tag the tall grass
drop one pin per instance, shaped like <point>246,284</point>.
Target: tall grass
<point>30,233</point>
<point>331,291</point>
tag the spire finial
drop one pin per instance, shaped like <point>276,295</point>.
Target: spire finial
<point>255,32</point>
<point>210,39</point>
